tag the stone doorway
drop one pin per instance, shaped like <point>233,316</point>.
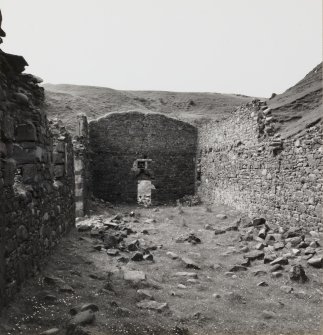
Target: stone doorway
<point>144,192</point>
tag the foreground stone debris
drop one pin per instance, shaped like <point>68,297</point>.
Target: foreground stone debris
<point>225,269</point>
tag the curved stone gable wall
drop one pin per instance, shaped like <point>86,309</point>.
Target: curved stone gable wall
<point>118,139</point>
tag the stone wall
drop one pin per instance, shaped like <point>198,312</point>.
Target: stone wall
<point>82,168</point>
<point>36,177</point>
<point>119,139</point>
<point>243,162</point>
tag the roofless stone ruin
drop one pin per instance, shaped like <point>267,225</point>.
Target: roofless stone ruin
<point>49,177</point>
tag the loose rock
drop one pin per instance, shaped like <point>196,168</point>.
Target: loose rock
<point>172,255</point>
<point>190,264</point>
<point>134,275</point>
<point>153,305</point>
<point>255,254</point>
<point>145,295</point>
<point>186,274</point>
<point>297,273</point>
<point>316,262</point>
<point>83,318</point>
<point>52,331</point>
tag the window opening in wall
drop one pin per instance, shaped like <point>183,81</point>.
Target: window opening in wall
<point>141,165</point>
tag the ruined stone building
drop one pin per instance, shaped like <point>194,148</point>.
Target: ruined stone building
<point>249,160</point>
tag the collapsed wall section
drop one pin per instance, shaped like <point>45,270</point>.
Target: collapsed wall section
<point>243,163</point>
<point>36,178</point>
<point>119,139</point>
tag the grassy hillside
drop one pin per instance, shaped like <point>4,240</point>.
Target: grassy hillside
<point>300,106</point>
<point>66,101</point>
<point>296,109</point>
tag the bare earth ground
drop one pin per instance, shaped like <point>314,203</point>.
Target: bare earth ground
<point>217,302</point>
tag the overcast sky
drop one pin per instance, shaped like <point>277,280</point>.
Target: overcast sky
<point>252,47</point>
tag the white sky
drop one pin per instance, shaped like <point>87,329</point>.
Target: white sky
<point>252,47</point>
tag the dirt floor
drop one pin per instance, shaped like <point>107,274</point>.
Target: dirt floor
<point>211,297</point>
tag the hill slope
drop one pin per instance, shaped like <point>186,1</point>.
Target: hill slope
<point>300,106</point>
<point>66,101</point>
<point>296,109</point>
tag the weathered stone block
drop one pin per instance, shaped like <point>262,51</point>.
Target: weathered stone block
<point>3,149</point>
<point>9,171</point>
<point>26,132</point>
<point>22,233</point>
<point>8,128</point>
<point>59,171</point>
<point>58,158</point>
<point>60,147</point>
<point>29,172</point>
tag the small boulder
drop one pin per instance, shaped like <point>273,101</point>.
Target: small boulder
<point>262,233</point>
<point>309,251</point>
<point>192,238</point>
<point>172,255</point>
<point>190,264</point>
<point>152,305</point>
<point>258,222</point>
<point>137,257</point>
<point>316,262</point>
<point>83,318</point>
<point>221,216</point>
<point>286,289</point>
<point>269,258</point>
<point>237,268</point>
<point>52,331</point>
<point>279,245</point>
<point>134,275</point>
<point>219,231</point>
<point>110,241</point>
<point>148,257</point>
<point>134,245</point>
<point>66,289</point>
<point>181,286</point>
<point>297,273</point>
<point>145,295</point>
<point>186,274</point>
<point>279,260</point>
<point>89,306</point>
<point>255,254</point>
<point>113,252</point>
<point>268,315</point>
<point>123,259</point>
<point>276,267</point>
<point>277,274</point>
<point>293,232</point>
<point>122,311</point>
<point>262,284</point>
<point>150,221</point>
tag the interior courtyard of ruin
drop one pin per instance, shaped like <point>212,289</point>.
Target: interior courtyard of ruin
<point>140,221</point>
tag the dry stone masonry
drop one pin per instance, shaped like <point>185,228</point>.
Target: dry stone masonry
<point>36,177</point>
<point>118,140</point>
<point>245,163</point>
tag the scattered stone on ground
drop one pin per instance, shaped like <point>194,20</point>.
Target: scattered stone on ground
<point>154,305</point>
